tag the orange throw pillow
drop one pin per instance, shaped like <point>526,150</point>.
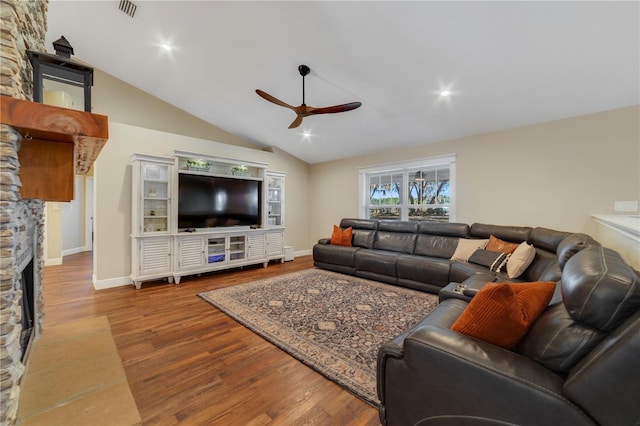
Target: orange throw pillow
<point>501,313</point>
<point>496,244</point>
<point>341,237</point>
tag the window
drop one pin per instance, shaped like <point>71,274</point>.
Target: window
<point>416,190</point>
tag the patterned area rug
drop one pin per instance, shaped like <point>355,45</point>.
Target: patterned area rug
<point>332,322</point>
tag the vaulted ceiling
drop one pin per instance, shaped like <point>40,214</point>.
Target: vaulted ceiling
<point>506,64</point>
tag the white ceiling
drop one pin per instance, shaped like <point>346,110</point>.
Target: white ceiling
<point>507,64</point>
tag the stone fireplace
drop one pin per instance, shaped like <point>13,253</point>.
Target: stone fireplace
<point>21,226</point>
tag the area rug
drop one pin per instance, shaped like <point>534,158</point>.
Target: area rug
<point>332,322</point>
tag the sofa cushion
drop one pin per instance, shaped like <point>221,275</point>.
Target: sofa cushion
<point>599,291</point>
<point>572,245</point>
<point>364,231</point>
<point>396,236</point>
<point>544,267</point>
<point>493,260</point>
<point>515,234</point>
<point>435,246</point>
<point>338,255</point>
<point>370,224</point>
<point>377,261</point>
<point>496,244</point>
<point>599,288</point>
<point>501,313</point>
<point>520,260</point>
<point>341,237</point>
<point>466,247</point>
<point>445,229</point>
<point>430,270</point>
<point>547,239</point>
<point>398,226</point>
<point>557,341</point>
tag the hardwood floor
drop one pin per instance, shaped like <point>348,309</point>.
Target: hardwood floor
<point>189,363</point>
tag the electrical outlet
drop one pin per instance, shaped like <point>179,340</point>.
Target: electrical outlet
<point>625,206</point>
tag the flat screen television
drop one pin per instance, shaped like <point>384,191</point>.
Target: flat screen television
<point>211,201</point>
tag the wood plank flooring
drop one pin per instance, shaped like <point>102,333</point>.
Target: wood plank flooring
<point>189,363</point>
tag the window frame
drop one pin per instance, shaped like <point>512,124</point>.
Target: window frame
<point>405,168</point>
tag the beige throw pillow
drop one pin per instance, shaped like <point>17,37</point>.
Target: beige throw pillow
<point>466,248</point>
<point>520,260</point>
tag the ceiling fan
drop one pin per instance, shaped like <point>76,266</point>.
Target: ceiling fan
<point>304,110</point>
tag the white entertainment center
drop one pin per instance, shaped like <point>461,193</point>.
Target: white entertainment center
<point>163,249</point>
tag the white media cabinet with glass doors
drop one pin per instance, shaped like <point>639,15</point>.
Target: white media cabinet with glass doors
<point>160,249</point>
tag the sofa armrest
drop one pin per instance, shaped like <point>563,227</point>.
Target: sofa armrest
<point>324,241</point>
<point>440,372</point>
<point>475,283</point>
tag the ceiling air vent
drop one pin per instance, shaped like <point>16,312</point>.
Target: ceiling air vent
<point>127,7</point>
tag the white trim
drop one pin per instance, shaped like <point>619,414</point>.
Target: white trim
<point>74,250</point>
<point>629,226</point>
<point>426,161</point>
<point>53,262</point>
<point>89,208</point>
<point>308,252</point>
<point>110,283</point>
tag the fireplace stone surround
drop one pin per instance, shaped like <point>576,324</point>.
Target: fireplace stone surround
<point>22,221</point>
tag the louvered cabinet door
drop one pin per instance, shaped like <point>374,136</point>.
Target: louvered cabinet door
<point>256,249</point>
<point>190,253</point>
<point>154,255</point>
<point>275,244</point>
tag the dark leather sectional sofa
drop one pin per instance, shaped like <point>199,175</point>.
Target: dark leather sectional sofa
<point>579,364</point>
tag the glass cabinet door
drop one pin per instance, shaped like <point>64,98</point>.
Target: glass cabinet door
<point>155,197</point>
<point>275,200</point>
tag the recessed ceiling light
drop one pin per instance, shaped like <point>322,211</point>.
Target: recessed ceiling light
<point>445,93</point>
<point>166,46</point>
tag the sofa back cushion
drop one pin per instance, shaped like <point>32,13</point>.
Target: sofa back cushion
<point>546,239</point>
<point>572,245</point>
<point>599,288</point>
<point>439,239</point>
<point>435,246</point>
<point>398,236</point>
<point>544,267</point>
<point>514,234</point>
<point>444,229</point>
<point>363,231</point>
<point>599,291</point>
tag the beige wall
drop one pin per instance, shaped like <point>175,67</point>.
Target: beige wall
<point>126,104</point>
<point>555,174</point>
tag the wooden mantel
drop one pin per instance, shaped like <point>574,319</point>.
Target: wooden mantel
<point>57,143</point>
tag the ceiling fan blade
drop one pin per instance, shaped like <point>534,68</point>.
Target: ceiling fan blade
<point>296,122</point>
<point>334,109</point>
<point>275,100</point>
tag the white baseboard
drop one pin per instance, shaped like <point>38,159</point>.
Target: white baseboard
<point>110,283</point>
<point>52,262</point>
<point>74,250</point>
<point>124,281</point>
